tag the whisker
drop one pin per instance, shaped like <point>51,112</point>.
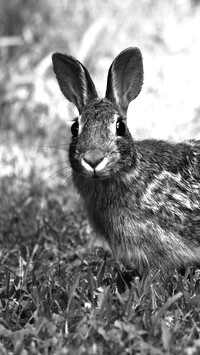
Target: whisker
<point>67,180</point>
<point>54,146</point>
<point>58,181</point>
<point>59,155</point>
<point>54,174</point>
<point>59,163</point>
<point>54,149</point>
<point>58,146</point>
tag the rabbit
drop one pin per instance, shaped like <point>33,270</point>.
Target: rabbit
<point>142,197</point>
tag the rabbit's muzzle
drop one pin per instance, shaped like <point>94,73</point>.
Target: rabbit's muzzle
<point>93,158</point>
<point>94,162</point>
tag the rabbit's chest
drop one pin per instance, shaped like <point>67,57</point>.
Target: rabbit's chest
<point>113,212</point>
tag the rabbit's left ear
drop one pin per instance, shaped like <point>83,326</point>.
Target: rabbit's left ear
<point>125,78</point>
<point>74,80</point>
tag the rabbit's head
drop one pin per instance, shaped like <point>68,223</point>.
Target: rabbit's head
<point>101,144</point>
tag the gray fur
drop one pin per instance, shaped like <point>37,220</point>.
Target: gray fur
<point>145,202</point>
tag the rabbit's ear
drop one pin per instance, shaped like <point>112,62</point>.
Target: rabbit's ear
<point>74,80</point>
<point>125,78</point>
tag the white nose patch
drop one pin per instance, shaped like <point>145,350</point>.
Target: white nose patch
<point>98,168</point>
<point>102,164</point>
<point>86,166</point>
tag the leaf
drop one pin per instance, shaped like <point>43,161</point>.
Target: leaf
<point>165,307</point>
<point>73,288</point>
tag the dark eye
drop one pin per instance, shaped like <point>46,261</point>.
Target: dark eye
<point>74,129</point>
<point>120,128</point>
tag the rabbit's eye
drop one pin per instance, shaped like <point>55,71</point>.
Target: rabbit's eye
<point>74,129</point>
<point>120,128</point>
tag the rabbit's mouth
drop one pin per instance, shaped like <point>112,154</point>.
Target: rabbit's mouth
<point>95,175</point>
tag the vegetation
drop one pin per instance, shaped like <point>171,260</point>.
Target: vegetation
<point>56,295</point>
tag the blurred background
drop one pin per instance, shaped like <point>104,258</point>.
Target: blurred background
<point>35,117</point>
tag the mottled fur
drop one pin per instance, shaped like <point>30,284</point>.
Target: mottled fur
<point>145,202</point>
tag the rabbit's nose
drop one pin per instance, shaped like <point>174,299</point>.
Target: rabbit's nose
<point>93,158</point>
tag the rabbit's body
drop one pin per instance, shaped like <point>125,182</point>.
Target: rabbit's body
<point>142,197</point>
<point>149,221</point>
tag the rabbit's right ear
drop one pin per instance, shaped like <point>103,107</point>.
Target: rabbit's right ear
<point>125,78</point>
<point>74,80</point>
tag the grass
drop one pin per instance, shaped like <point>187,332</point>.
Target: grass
<point>59,297</point>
